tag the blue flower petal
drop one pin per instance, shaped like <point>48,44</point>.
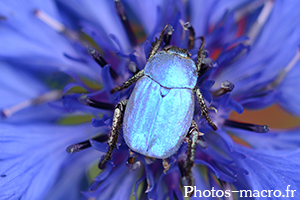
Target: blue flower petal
<point>289,96</point>
<point>271,169</point>
<point>39,151</point>
<point>34,49</point>
<point>280,139</point>
<point>146,12</point>
<point>71,178</point>
<point>26,86</point>
<point>99,146</point>
<point>267,63</point>
<point>107,20</point>
<point>205,13</point>
<point>200,184</point>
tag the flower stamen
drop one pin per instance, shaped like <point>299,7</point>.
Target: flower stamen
<point>122,14</point>
<point>101,62</point>
<point>95,104</point>
<point>246,126</point>
<point>44,98</point>
<point>280,77</point>
<point>226,87</point>
<point>261,20</point>
<point>250,8</point>
<point>85,144</point>
<point>56,25</point>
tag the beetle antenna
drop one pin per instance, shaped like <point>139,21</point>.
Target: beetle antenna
<point>156,45</point>
<point>201,54</point>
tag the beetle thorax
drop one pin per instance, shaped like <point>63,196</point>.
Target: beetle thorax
<point>172,69</point>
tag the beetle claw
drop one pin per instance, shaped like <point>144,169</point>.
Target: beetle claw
<point>115,89</point>
<point>102,163</point>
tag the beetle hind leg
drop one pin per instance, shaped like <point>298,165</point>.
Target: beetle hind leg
<point>114,132</point>
<point>187,176</point>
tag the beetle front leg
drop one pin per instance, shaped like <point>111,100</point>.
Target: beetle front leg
<point>114,132</point>
<point>191,39</point>
<point>154,48</point>
<point>128,82</point>
<point>203,108</point>
<point>201,55</point>
<point>156,45</point>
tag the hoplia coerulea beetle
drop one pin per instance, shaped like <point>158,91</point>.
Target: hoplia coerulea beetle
<point>158,116</point>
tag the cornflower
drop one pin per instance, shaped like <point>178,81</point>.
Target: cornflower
<point>61,59</point>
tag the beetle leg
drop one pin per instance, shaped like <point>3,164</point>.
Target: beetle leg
<point>191,41</point>
<point>191,149</point>
<point>156,45</point>
<point>202,143</point>
<point>213,109</point>
<point>131,163</point>
<point>166,165</point>
<point>203,108</point>
<point>114,132</point>
<point>168,36</point>
<point>131,160</point>
<point>128,82</point>
<point>201,54</point>
<point>154,48</point>
<point>132,157</point>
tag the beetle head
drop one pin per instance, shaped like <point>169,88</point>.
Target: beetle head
<point>177,51</point>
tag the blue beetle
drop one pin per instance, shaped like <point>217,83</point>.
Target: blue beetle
<point>159,113</point>
<point>160,109</point>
